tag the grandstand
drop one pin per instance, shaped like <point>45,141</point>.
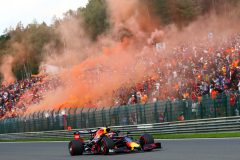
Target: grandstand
<point>188,72</point>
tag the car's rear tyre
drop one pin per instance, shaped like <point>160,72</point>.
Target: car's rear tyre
<point>75,147</point>
<point>106,144</point>
<point>146,139</point>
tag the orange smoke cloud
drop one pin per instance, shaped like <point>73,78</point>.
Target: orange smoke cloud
<point>18,55</point>
<point>91,71</point>
<point>6,70</point>
<point>95,70</point>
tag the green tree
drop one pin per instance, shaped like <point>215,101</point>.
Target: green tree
<point>4,44</point>
<point>161,8</point>
<point>184,11</point>
<point>95,17</point>
<point>33,38</point>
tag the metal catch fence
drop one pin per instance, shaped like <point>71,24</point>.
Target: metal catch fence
<point>158,112</point>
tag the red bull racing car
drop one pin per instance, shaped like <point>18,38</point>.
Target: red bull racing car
<point>104,141</point>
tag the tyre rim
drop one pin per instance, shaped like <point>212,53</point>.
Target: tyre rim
<point>70,149</point>
<point>102,148</point>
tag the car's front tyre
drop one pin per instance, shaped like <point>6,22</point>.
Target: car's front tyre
<point>146,139</point>
<point>106,144</point>
<point>75,147</point>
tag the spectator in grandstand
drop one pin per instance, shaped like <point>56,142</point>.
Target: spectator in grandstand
<point>131,100</point>
<point>161,117</point>
<point>144,98</point>
<point>236,112</point>
<point>181,117</point>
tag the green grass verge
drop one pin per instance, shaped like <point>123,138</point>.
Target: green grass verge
<point>157,136</point>
<point>198,135</point>
<point>37,140</point>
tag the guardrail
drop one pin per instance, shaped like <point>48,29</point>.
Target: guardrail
<point>191,126</point>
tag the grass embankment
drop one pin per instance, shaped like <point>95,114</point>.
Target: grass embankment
<point>158,136</point>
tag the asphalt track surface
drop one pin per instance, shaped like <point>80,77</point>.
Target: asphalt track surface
<point>195,149</point>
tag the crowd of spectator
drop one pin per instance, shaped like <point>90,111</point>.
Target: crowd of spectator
<point>11,94</point>
<point>15,97</point>
<point>189,71</point>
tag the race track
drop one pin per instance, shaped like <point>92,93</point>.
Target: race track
<point>204,149</point>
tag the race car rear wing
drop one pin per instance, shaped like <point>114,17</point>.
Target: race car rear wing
<point>86,132</point>
<point>77,134</point>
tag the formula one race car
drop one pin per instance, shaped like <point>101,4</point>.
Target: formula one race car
<point>103,141</point>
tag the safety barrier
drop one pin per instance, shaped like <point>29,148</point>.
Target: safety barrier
<point>161,111</point>
<point>190,126</point>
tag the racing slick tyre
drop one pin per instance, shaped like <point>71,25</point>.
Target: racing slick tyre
<point>106,144</point>
<point>75,147</point>
<point>146,139</point>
